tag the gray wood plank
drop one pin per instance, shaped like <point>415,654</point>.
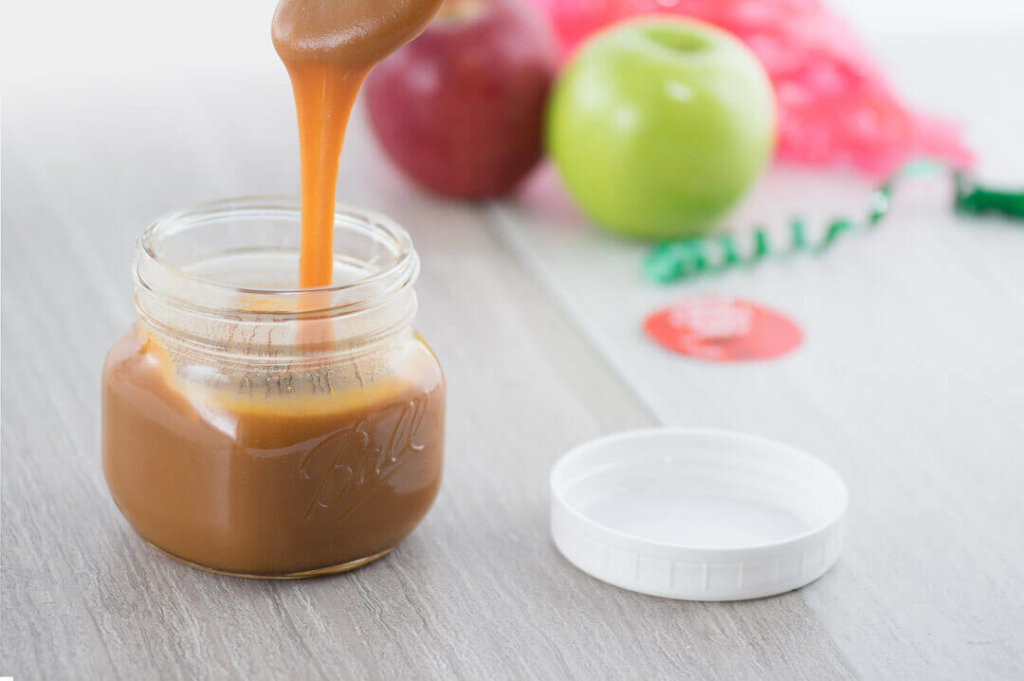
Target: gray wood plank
<point>478,591</point>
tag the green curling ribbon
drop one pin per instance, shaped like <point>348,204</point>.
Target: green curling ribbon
<point>675,260</point>
<point>974,200</point>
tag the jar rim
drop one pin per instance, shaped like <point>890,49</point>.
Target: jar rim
<point>405,260</point>
<point>179,296</point>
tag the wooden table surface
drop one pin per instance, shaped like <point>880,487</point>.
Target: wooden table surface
<point>478,591</point>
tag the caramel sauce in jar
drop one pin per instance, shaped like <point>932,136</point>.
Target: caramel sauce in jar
<point>232,442</point>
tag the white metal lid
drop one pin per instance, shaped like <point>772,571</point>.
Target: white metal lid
<point>697,514</point>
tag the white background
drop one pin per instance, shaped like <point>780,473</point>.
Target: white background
<point>71,41</point>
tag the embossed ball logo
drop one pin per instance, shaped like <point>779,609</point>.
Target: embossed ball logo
<point>362,457</point>
<point>723,330</point>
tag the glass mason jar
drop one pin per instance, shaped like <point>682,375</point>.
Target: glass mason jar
<point>254,428</point>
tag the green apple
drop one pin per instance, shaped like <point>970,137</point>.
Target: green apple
<point>659,126</point>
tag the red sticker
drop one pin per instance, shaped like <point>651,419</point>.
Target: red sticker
<point>723,330</point>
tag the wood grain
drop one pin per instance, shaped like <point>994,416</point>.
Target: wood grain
<point>477,592</point>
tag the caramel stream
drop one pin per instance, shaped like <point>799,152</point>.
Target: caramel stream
<point>328,47</point>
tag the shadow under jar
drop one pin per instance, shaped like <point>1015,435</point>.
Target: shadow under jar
<point>258,429</point>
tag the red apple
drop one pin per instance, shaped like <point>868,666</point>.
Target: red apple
<point>461,108</point>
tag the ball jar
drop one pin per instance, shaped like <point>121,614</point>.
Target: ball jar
<point>254,428</point>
